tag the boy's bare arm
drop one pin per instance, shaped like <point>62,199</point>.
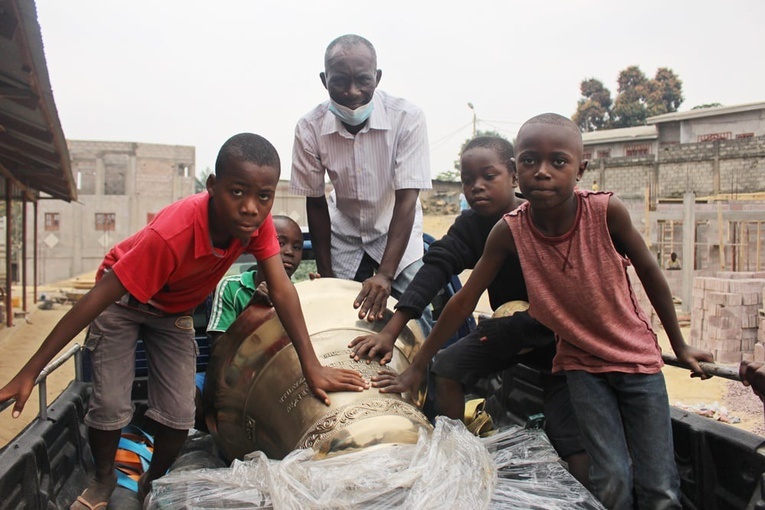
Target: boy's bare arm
<point>623,232</point>
<point>105,292</point>
<point>498,245</point>
<point>320,227</point>
<point>375,291</point>
<point>320,379</point>
<point>381,344</point>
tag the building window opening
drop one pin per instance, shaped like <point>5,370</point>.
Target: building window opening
<point>105,221</point>
<point>604,154</point>
<point>52,222</point>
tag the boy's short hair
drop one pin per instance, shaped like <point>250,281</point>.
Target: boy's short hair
<point>247,147</point>
<point>501,146</point>
<point>555,119</point>
<point>282,217</point>
<point>348,40</point>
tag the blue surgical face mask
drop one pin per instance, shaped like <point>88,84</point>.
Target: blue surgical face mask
<point>351,117</point>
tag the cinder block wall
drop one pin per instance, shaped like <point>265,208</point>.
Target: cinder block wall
<point>726,314</point>
<point>707,168</point>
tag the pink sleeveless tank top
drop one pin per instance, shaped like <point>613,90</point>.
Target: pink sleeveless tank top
<point>578,287</point>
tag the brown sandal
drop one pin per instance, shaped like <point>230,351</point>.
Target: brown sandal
<point>81,500</point>
<point>99,487</point>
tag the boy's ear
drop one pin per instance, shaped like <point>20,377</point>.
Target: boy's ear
<point>210,184</point>
<point>323,78</point>
<point>582,168</point>
<point>513,173</point>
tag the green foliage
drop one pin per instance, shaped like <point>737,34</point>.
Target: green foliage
<point>593,109</point>
<point>630,105</point>
<point>302,271</point>
<point>454,175</point>
<point>637,99</point>
<point>449,175</point>
<point>200,180</point>
<point>706,105</point>
<point>665,92</point>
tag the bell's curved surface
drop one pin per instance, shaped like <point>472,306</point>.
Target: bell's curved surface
<point>255,396</point>
<point>510,308</point>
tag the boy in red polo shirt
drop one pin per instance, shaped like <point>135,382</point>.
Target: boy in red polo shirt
<point>150,282</point>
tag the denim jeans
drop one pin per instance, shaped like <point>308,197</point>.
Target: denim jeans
<point>369,266</point>
<point>627,431</point>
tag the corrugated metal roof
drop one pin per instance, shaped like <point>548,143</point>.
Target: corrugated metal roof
<point>620,135</point>
<point>33,150</point>
<point>705,112</point>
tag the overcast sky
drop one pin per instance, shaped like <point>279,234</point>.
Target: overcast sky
<point>194,73</point>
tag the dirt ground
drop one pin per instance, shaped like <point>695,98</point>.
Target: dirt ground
<point>716,397</point>
<point>17,344</point>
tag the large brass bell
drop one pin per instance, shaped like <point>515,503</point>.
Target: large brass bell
<point>256,398</point>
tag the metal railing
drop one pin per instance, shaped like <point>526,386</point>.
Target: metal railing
<point>41,381</point>
<point>725,371</point>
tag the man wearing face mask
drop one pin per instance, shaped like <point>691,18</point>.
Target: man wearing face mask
<point>374,147</point>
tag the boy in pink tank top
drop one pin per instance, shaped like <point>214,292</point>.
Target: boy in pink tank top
<point>575,247</point>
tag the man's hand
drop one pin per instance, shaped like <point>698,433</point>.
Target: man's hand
<point>373,298</point>
<point>370,346</point>
<point>334,379</point>
<point>752,374</point>
<point>19,388</point>
<point>408,381</point>
<point>691,356</point>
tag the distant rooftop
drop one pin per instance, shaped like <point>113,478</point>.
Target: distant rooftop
<point>705,112</point>
<point>637,133</point>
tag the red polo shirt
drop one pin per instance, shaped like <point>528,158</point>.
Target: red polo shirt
<point>170,262</point>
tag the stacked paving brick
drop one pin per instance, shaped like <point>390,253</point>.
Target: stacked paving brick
<point>725,315</point>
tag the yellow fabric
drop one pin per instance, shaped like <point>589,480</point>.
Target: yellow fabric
<point>477,420</point>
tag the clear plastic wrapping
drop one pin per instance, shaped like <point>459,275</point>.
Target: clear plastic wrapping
<point>449,468</point>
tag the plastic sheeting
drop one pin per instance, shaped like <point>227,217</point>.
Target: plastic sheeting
<point>450,468</point>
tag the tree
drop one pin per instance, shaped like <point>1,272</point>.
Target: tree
<point>665,92</point>
<point>593,109</point>
<point>706,105</point>
<point>200,180</point>
<point>630,105</point>
<point>454,175</point>
<point>637,99</point>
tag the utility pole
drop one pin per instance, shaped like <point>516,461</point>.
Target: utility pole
<point>470,105</point>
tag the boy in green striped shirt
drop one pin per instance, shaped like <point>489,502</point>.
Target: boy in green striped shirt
<point>234,292</point>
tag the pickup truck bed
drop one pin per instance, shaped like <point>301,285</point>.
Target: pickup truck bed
<point>48,464</point>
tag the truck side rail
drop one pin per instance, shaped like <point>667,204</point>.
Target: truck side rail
<point>48,463</point>
<point>41,381</point>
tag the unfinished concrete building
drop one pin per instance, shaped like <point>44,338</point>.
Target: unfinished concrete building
<point>121,186</point>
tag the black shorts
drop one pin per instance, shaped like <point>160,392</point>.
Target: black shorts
<point>469,359</point>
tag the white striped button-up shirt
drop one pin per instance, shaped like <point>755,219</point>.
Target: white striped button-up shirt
<point>388,154</point>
